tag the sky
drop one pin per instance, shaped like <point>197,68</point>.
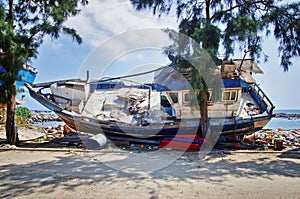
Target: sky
<point>103,22</point>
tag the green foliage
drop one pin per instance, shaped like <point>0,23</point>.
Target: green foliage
<point>23,29</point>
<point>236,24</point>
<point>15,56</point>
<point>23,112</point>
<point>187,56</point>
<point>35,19</point>
<point>24,24</point>
<point>286,23</point>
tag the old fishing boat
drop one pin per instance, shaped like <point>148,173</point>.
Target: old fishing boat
<point>152,111</point>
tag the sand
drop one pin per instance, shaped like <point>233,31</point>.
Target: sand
<point>74,173</point>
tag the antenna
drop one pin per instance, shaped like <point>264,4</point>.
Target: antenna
<point>245,53</point>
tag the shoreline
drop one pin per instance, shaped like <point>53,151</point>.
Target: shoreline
<point>289,116</point>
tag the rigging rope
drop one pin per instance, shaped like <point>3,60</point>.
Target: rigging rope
<point>126,76</point>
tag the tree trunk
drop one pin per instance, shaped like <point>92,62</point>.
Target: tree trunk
<point>202,100</point>
<point>207,11</point>
<point>11,133</point>
<point>204,112</point>
<point>11,12</point>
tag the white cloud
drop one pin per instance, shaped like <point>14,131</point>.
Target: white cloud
<point>56,45</point>
<point>136,47</point>
<point>102,19</point>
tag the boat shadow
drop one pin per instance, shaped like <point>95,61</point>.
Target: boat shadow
<point>45,172</point>
<point>216,168</point>
<point>293,153</point>
<point>33,144</point>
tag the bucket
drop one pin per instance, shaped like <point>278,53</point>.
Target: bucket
<point>96,142</point>
<point>278,145</point>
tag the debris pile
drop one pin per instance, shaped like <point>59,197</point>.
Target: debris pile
<point>136,147</point>
<point>265,139</point>
<point>62,136</point>
<point>42,117</point>
<point>53,132</point>
<point>262,140</point>
<point>277,139</point>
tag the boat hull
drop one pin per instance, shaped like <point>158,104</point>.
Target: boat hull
<point>229,127</point>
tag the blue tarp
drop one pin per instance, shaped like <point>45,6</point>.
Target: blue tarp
<point>27,76</point>
<point>2,70</point>
<point>232,83</point>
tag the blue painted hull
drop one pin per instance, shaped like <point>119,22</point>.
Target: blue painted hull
<point>229,127</point>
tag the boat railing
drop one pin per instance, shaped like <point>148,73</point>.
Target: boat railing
<point>262,99</point>
<point>59,82</point>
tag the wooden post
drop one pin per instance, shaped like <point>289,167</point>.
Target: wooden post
<point>3,108</point>
<point>4,115</point>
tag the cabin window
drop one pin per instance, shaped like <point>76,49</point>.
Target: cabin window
<point>233,96</point>
<point>229,96</point>
<point>174,97</point>
<point>186,98</point>
<point>164,102</point>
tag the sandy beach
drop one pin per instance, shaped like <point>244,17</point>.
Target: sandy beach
<point>69,174</point>
<point>74,173</point>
